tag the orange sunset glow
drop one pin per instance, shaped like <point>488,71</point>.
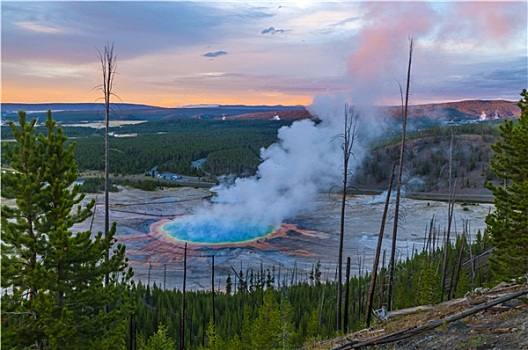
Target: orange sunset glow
<point>185,53</point>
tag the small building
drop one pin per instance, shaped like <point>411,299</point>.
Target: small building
<point>168,176</point>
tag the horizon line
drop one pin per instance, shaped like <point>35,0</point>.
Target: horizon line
<point>217,105</point>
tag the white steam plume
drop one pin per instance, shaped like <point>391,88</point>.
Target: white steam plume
<point>306,160</point>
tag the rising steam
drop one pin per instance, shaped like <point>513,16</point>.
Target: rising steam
<point>307,158</point>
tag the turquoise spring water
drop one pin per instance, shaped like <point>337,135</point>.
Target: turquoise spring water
<point>209,231</point>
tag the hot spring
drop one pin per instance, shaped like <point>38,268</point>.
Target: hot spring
<point>208,231</point>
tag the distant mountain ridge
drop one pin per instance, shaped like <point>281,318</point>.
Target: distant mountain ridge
<point>89,112</point>
<point>40,107</point>
<point>273,115</point>
<point>75,112</point>
<point>478,109</point>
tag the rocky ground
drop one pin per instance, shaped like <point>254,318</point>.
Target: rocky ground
<point>502,327</point>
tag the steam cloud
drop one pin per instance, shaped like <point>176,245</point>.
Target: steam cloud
<point>307,159</point>
<point>302,163</point>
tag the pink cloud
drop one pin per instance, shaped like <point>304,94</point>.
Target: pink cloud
<point>498,21</point>
<point>384,42</point>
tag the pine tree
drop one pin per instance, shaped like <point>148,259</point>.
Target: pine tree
<point>21,267</point>
<point>234,343</point>
<point>287,327</point>
<point>508,224</point>
<point>464,285</point>
<point>245,331</point>
<point>157,341</point>
<point>214,340</point>
<point>266,332</point>
<point>428,284</point>
<point>56,298</point>
<point>229,285</point>
<point>312,328</point>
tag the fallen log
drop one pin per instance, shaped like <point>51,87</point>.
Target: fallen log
<point>412,331</point>
<point>411,310</point>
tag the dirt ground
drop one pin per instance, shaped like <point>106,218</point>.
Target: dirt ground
<point>501,327</point>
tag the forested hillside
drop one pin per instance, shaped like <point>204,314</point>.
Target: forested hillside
<point>94,112</point>
<point>427,158</point>
<point>233,147</point>
<point>473,109</point>
<point>229,147</point>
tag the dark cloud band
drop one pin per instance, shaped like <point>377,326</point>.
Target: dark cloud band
<point>215,53</point>
<point>271,30</point>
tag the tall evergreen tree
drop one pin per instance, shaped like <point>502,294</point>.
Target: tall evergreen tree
<point>287,327</point>
<point>428,283</point>
<point>158,341</point>
<point>21,242</point>
<point>508,224</point>
<point>246,329</point>
<point>266,331</point>
<point>54,277</point>
<point>214,340</point>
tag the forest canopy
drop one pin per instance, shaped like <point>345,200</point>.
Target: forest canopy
<point>229,146</point>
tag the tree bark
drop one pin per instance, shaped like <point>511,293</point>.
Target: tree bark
<point>108,66</point>
<point>450,207</point>
<point>347,294</point>
<point>349,136</point>
<point>378,248</point>
<point>399,182</point>
<point>182,313</point>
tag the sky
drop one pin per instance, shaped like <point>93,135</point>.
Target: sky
<point>175,53</point>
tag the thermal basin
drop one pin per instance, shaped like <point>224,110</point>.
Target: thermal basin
<point>209,231</point>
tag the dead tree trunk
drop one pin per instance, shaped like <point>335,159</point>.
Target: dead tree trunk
<point>213,291</point>
<point>382,280</point>
<point>347,296</point>
<point>182,313</point>
<point>455,276</point>
<point>450,207</point>
<point>378,247</point>
<point>164,276</point>
<point>399,182</point>
<point>349,135</point>
<point>108,67</point>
